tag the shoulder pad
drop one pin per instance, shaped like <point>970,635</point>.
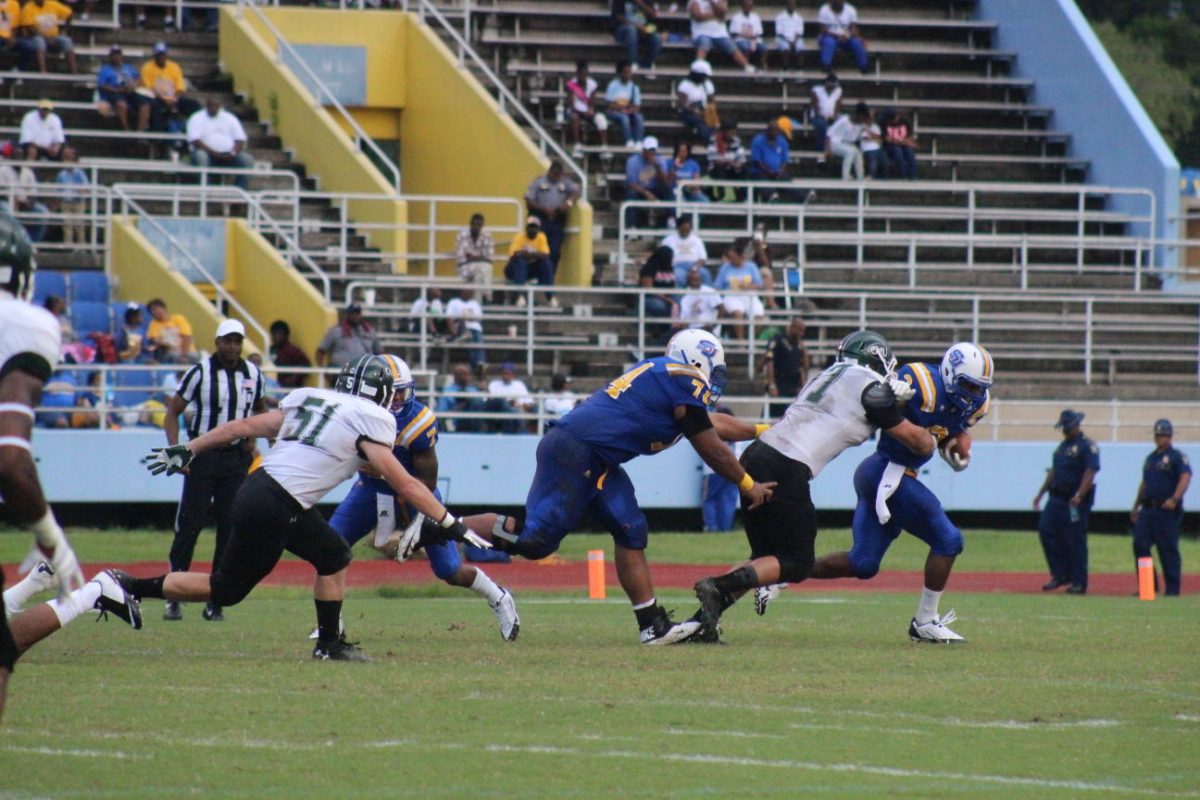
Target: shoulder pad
<point>878,395</point>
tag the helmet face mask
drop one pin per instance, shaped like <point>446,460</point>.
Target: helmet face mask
<point>967,375</point>
<point>868,349</point>
<point>704,351</point>
<point>368,377</point>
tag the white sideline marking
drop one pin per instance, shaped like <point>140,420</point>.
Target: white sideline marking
<point>723,734</point>
<point>1188,717</point>
<point>59,751</point>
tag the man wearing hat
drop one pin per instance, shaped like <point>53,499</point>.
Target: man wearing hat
<point>769,151</point>
<point>349,340</point>
<point>1063,523</point>
<point>1158,507</point>
<point>42,135</point>
<point>163,80</point>
<point>549,198</point>
<point>647,177</point>
<point>529,257</point>
<point>116,84</point>
<point>220,388</point>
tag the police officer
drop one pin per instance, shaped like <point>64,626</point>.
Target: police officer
<point>1158,507</point>
<point>1063,523</point>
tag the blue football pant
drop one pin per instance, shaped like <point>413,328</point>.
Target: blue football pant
<point>356,516</point>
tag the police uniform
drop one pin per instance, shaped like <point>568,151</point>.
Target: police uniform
<point>1061,526</point>
<point>1157,526</point>
<point>789,372</point>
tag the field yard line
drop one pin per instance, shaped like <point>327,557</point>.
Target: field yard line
<point>1188,717</point>
<point>66,751</point>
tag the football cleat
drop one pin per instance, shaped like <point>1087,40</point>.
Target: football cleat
<point>339,650</point>
<point>764,595</point>
<point>664,631</point>
<point>705,634</point>
<point>935,631</point>
<point>115,600</point>
<point>173,612</point>
<point>42,577</point>
<point>213,613</point>
<point>505,610</point>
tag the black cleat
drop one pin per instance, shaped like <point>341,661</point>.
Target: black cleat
<point>115,600</point>
<point>339,650</point>
<point>173,611</point>
<point>213,613</point>
<point>1055,583</point>
<point>705,634</point>
<point>1076,589</point>
<point>711,606</point>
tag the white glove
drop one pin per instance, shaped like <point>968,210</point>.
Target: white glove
<point>52,545</point>
<point>410,539</point>
<point>956,462</point>
<point>902,389</point>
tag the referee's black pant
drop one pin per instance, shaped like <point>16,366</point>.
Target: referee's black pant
<point>213,478</point>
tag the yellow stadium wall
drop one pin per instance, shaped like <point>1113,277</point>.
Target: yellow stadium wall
<point>270,288</point>
<point>143,273</point>
<point>247,51</point>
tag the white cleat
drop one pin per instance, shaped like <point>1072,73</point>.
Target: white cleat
<point>115,600</point>
<point>764,595</point>
<point>505,610</point>
<point>935,631</point>
<point>670,633</point>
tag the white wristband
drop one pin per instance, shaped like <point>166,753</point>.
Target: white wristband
<point>16,408</point>
<point>47,532</point>
<point>448,520</point>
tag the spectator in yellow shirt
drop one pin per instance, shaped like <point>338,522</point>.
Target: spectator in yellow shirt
<point>44,27</point>
<point>529,257</point>
<point>170,107</point>
<point>169,336</point>
<point>10,22</point>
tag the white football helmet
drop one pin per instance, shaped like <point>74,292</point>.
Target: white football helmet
<point>704,351</point>
<point>967,374</point>
<point>404,388</point>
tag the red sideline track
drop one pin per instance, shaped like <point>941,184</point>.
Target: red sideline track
<point>557,575</point>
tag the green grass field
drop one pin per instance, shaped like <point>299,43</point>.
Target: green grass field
<point>1053,697</point>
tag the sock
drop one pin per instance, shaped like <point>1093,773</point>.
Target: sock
<point>77,602</point>
<point>742,579</point>
<point>486,587</point>
<point>142,588</point>
<point>647,613</point>
<point>15,597</point>
<point>928,608</point>
<point>329,612</point>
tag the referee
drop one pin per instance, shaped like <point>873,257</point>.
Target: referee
<point>220,388</point>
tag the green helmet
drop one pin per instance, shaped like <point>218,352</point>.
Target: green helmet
<point>869,349</point>
<point>17,264</point>
<point>369,377</point>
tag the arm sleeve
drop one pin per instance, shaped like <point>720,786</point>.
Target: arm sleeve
<point>189,384</point>
<point>1091,457</point>
<point>542,244</point>
<point>695,421</point>
<point>1181,464</point>
<point>879,402</point>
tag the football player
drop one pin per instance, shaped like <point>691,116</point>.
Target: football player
<point>645,411</point>
<point>322,438</point>
<point>946,401</point>
<point>30,340</point>
<point>842,407</point>
<point>372,503</point>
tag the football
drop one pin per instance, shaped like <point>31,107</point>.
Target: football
<point>960,444</point>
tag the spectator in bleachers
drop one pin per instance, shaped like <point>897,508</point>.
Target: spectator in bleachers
<point>350,339</point>
<point>700,305</point>
<point>170,105</point>
<point>508,394</point>
<point>131,337</point>
<point>657,273</point>
<point>88,399</point>
<point>647,177</point>
<point>45,25</point>
<point>739,280</point>
<point>843,140</point>
<point>17,188</point>
<point>769,151</point>
<point>900,144</point>
<point>826,107</point>
<point>708,31</point>
<point>785,367</point>
<point>475,255</point>
<point>581,107</point>
<point>838,21</point>
<point>59,393</point>
<point>688,252</point>
<point>634,26</point>
<point>692,97</point>
<point>10,22</point>
<point>746,28</point>
<point>427,314</point>
<point>464,320</point>
<point>686,172</point>
<point>789,35</point>
<point>58,307</point>
<point>217,139</point>
<point>460,383</point>
<point>726,160</point>
<point>625,105</point>
<point>549,198</point>
<point>286,354</point>
<point>169,336</point>
<point>561,399</point>
<point>72,201</point>
<point>209,25</point>
<point>875,161</point>
<point>117,85</point>
<point>42,136</point>
<point>528,258</point>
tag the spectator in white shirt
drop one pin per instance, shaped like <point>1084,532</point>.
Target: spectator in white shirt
<point>218,139</point>
<point>698,306</point>
<point>789,35</point>
<point>42,135</point>
<point>692,95</point>
<point>561,399</point>
<point>839,31</point>
<point>826,107</point>
<point>508,394</point>
<point>746,28</point>
<point>428,314</point>
<point>708,30</point>
<point>844,138</point>
<point>875,160</point>
<point>475,255</point>
<point>688,251</point>
<point>17,195</point>
<point>581,107</point>
<point>464,315</point>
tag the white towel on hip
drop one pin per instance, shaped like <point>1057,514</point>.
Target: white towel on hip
<point>385,518</point>
<point>888,484</point>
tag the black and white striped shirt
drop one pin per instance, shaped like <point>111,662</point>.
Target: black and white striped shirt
<point>217,395</point>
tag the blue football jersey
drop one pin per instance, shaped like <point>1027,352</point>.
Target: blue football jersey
<point>931,409</point>
<point>416,432</point>
<point>635,414</point>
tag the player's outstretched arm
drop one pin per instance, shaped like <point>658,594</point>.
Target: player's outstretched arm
<point>260,426</point>
<point>408,487</point>
<point>732,429</point>
<point>697,426</point>
<point>914,437</point>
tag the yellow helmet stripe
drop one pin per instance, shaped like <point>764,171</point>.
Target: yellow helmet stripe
<point>987,362</point>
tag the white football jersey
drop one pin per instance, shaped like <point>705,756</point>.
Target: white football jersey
<point>318,445</point>
<point>26,328</point>
<point>826,417</point>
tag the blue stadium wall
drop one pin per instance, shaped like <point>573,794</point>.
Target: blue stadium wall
<point>483,470</point>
